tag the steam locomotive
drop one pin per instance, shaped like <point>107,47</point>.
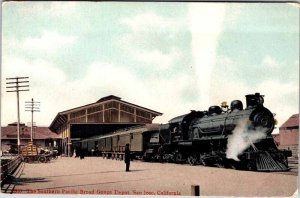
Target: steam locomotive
<point>234,137</point>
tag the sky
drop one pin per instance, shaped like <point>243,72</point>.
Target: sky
<point>169,57</point>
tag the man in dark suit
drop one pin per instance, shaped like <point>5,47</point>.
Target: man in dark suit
<point>127,157</point>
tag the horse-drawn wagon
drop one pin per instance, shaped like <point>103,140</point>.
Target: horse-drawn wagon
<point>30,154</point>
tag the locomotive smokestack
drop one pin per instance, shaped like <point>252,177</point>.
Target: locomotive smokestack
<point>253,100</point>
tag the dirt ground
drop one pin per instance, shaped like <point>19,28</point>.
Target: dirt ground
<point>108,177</point>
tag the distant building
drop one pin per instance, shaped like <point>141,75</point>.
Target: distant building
<point>276,138</point>
<point>289,132</point>
<point>42,136</point>
<point>107,114</point>
<point>288,137</point>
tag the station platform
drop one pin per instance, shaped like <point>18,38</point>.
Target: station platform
<point>94,175</point>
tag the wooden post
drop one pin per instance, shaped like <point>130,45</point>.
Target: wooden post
<point>119,113</point>
<point>195,190</point>
<point>86,117</point>
<point>103,113</point>
<point>134,114</point>
<point>17,87</point>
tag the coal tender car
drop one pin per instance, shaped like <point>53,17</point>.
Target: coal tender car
<point>234,137</point>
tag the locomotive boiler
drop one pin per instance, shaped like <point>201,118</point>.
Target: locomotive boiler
<point>224,136</point>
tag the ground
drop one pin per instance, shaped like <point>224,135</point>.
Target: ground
<point>94,175</point>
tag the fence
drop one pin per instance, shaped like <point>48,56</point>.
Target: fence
<point>8,167</point>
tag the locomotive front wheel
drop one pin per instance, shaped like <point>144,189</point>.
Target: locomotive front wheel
<point>251,166</point>
<point>220,165</point>
<point>42,159</point>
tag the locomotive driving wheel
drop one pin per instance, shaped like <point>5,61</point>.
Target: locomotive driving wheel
<point>202,160</point>
<point>192,159</point>
<point>178,157</point>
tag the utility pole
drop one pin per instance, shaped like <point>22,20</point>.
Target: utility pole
<point>18,84</point>
<point>32,106</point>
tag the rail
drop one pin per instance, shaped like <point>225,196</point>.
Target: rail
<point>8,168</point>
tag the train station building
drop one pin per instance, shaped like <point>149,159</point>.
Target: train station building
<point>43,137</point>
<point>108,114</point>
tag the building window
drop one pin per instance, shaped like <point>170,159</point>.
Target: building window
<point>77,114</point>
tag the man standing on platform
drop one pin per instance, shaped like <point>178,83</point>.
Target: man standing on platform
<point>127,157</point>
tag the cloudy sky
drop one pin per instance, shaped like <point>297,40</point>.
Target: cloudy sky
<point>169,57</point>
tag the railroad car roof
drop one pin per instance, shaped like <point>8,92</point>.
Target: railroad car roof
<point>134,129</point>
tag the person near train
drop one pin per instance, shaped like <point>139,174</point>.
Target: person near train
<point>161,152</point>
<point>127,157</point>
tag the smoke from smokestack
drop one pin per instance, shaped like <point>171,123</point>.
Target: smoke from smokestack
<point>242,138</point>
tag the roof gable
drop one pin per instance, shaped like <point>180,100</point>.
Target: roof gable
<point>110,97</point>
<point>61,117</point>
<point>293,121</point>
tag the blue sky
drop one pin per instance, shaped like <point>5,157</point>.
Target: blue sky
<point>170,57</point>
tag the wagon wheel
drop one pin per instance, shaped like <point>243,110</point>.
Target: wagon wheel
<point>54,157</point>
<point>42,159</point>
<point>26,160</point>
<point>192,159</point>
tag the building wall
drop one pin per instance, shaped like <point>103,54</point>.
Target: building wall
<point>276,138</point>
<point>289,137</point>
<point>5,144</point>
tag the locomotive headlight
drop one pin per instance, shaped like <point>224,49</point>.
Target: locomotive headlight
<point>262,119</point>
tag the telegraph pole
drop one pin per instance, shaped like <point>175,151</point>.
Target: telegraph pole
<point>32,106</point>
<point>18,84</point>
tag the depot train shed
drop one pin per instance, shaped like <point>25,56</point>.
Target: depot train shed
<point>108,114</point>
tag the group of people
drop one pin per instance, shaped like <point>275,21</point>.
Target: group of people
<point>80,153</point>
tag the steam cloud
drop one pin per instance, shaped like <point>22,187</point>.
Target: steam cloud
<point>242,138</point>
